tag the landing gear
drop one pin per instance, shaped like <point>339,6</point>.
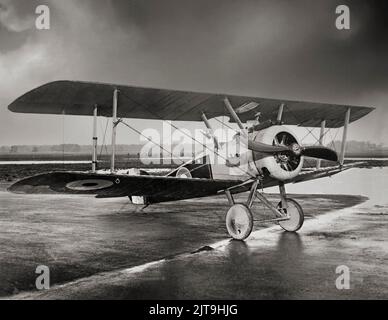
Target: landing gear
<point>239,221</point>
<point>239,218</point>
<point>295,213</point>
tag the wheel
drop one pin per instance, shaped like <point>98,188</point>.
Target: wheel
<point>239,221</point>
<point>183,173</point>
<point>295,211</point>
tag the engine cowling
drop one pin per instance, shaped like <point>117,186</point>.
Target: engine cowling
<point>282,166</point>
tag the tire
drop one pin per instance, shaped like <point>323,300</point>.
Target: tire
<point>296,216</point>
<point>239,221</point>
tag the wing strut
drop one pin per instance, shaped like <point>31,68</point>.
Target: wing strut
<point>280,113</point>
<point>114,127</point>
<point>321,137</point>
<point>94,156</point>
<point>344,137</point>
<point>209,127</point>
<point>233,113</point>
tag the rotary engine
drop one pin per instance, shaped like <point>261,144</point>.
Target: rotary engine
<point>280,166</point>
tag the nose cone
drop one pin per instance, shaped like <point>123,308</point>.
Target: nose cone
<point>296,149</point>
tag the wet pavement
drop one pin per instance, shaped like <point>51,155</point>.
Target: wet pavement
<point>100,249</point>
<point>271,265</point>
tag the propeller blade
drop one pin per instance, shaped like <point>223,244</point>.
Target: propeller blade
<point>320,152</point>
<point>266,148</point>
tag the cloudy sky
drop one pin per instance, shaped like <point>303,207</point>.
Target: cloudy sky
<point>278,49</point>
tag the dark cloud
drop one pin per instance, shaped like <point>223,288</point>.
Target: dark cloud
<point>11,40</point>
<point>16,23</point>
<point>277,48</point>
<point>289,43</point>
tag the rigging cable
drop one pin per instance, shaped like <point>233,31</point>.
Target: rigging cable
<point>63,139</point>
<point>104,137</point>
<point>158,145</point>
<point>195,140</point>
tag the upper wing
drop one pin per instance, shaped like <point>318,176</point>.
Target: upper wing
<point>79,98</point>
<point>109,185</point>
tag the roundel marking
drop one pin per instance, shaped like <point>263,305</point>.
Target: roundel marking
<point>88,185</point>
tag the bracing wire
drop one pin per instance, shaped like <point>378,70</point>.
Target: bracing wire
<point>158,145</point>
<point>103,139</point>
<point>192,138</point>
<point>148,138</point>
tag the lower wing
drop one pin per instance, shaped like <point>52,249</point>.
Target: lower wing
<point>110,185</point>
<point>324,172</point>
<point>154,188</point>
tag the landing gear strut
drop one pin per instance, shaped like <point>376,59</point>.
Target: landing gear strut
<point>239,218</point>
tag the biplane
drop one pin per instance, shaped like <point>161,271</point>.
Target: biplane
<point>273,155</point>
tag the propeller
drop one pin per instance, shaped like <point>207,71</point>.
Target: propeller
<point>266,148</point>
<point>320,152</point>
<point>285,143</point>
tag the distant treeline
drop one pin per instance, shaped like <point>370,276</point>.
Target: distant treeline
<point>67,148</point>
<point>354,148</point>
<point>363,149</point>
